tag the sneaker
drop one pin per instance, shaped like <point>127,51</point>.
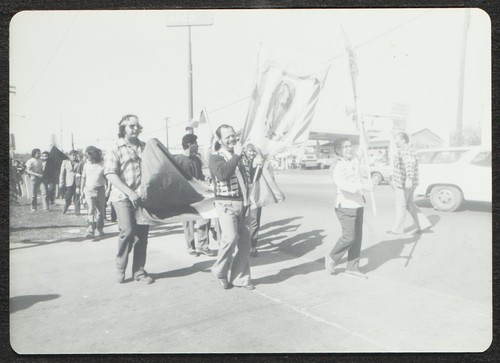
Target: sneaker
<point>192,251</point>
<point>89,235</point>
<point>206,252</point>
<point>100,233</point>
<point>224,283</point>
<point>356,273</point>
<point>329,265</point>
<point>145,279</point>
<point>120,276</point>
<point>247,287</point>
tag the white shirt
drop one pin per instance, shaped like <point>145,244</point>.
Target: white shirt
<point>347,180</point>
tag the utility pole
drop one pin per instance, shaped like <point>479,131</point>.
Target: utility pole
<point>189,19</point>
<point>72,142</point>
<point>166,128</point>
<point>461,80</point>
<point>60,133</point>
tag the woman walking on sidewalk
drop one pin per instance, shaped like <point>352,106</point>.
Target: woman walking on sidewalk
<point>94,191</point>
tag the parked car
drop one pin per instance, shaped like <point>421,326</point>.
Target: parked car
<point>381,173</point>
<point>449,176</point>
<point>309,161</point>
<point>326,163</point>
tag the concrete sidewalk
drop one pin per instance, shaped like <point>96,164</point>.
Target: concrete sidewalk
<point>64,299</point>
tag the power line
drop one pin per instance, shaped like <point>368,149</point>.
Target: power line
<point>232,103</point>
<point>51,57</point>
<point>391,29</point>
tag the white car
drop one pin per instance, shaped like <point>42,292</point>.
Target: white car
<point>451,175</point>
<point>381,173</point>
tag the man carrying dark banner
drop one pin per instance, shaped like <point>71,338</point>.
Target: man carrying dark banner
<point>232,178</point>
<point>123,170</point>
<point>195,231</point>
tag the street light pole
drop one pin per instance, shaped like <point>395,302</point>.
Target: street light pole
<point>189,19</point>
<point>190,78</point>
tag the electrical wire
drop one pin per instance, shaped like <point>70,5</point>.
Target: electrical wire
<point>51,58</point>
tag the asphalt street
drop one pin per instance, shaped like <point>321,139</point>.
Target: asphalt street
<point>426,293</point>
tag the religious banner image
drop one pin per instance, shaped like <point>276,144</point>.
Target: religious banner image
<point>283,101</point>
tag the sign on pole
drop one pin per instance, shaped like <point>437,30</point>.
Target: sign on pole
<point>189,18</point>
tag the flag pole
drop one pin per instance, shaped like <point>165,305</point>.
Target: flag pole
<point>360,125</point>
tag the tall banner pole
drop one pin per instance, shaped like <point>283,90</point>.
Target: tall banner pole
<point>360,125</point>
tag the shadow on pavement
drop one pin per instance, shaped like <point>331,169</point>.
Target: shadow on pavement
<point>197,267</point>
<point>46,243</point>
<point>16,229</point>
<point>289,249</point>
<point>282,222</point>
<point>288,272</point>
<point>468,206</point>
<point>23,302</point>
<point>165,231</point>
<point>387,250</point>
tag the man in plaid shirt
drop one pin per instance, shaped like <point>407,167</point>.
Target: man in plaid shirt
<point>123,170</point>
<point>405,180</point>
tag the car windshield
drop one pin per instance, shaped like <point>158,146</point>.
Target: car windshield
<point>482,159</point>
<point>440,157</point>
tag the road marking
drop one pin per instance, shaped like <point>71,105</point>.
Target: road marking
<point>477,308</point>
<point>304,312</point>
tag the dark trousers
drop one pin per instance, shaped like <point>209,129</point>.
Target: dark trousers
<point>72,195</point>
<point>255,225</point>
<point>131,236</point>
<point>351,220</point>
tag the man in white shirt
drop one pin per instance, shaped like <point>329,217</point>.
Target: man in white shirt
<point>34,168</point>
<point>349,207</point>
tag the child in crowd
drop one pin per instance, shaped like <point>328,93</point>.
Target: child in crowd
<point>93,189</point>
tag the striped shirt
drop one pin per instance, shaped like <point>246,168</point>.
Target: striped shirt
<point>405,167</point>
<point>124,160</point>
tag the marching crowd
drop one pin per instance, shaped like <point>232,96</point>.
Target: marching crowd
<point>234,170</point>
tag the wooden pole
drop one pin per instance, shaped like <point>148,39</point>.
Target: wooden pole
<point>360,125</point>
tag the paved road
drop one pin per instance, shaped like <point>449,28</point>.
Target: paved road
<point>426,294</point>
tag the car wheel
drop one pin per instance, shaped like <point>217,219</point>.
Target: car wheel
<point>446,198</point>
<point>377,178</point>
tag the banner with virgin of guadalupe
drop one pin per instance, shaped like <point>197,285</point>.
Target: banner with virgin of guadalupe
<point>282,106</point>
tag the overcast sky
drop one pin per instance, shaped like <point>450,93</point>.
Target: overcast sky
<point>82,70</point>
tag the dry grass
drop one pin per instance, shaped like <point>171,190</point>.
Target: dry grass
<point>41,226</point>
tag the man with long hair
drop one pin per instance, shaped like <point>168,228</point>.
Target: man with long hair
<point>122,168</point>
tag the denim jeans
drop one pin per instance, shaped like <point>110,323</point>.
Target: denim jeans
<point>404,203</point>
<point>196,233</point>
<point>96,204</point>
<point>131,236</point>
<point>72,196</point>
<point>36,185</point>
<point>255,214</point>
<point>234,251</point>
<point>351,220</point>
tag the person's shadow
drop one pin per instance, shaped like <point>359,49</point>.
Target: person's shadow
<point>23,302</point>
<point>291,248</point>
<point>197,267</point>
<point>391,249</point>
